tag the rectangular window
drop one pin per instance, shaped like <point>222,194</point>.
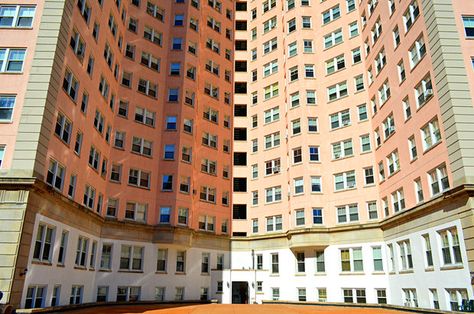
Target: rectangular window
<point>351,260</point>
<point>43,244</point>
<point>7,103</point>
<point>450,246</point>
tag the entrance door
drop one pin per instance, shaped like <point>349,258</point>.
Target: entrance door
<point>240,292</point>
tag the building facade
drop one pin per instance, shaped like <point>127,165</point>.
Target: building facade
<point>299,150</point>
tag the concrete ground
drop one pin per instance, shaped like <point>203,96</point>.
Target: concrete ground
<point>232,309</point>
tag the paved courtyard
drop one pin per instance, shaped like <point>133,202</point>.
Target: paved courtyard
<point>232,309</point>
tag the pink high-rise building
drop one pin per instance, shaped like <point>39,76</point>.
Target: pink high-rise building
<point>301,150</point>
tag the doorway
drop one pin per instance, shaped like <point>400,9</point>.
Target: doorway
<point>240,292</point>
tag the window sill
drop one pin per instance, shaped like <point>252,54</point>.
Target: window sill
<point>406,271</point>
<point>321,274</point>
<point>342,158</point>
<point>38,262</point>
<point>377,273</point>
<point>105,270</point>
<point>451,267</point>
<point>432,147</point>
<point>130,271</point>
<point>180,273</point>
<point>80,268</point>
<point>300,275</point>
<point>430,268</point>
<point>353,273</point>
<point>342,97</point>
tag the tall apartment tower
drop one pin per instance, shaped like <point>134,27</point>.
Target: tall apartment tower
<point>301,150</point>
<point>353,151</point>
<point>115,145</point>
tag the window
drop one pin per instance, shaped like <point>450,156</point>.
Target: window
<point>388,126</point>
<point>104,88</point>
<point>11,60</point>
<point>272,115</point>
<point>208,194</point>
<point>340,119</point>
<point>274,223</point>
<point>307,46</point>
<point>337,91</point>
<point>152,35</point>
<point>380,61</point>
<point>205,263</point>
<point>342,149</point>
<point>410,15</point>
<point>62,247</point>
<point>406,260</point>
<point>396,37</point>
<point>376,31</point>
<point>180,262</point>
<point>423,91</point>
<point>430,134</point>
<point>292,49</point>
<point>16,16</point>
<point>270,45</point>
<point>354,29</point>
<point>393,162</point>
<point>275,263</point>
<point>438,179</point>
<point>35,295</point>
<point>359,83</point>
<point>268,5</point>
<point>291,25</point>
<point>354,295</point>
<point>356,56</point>
<point>331,14</point>
<point>306,22</point>
<point>347,213</point>
<point>457,297</point>
<point>416,52</point>
<point>401,71</point>
<point>365,145</point>
<point>72,186</point>
<point>70,84</point>
<point>468,22</point>
<point>412,148</point>
<point>129,294</point>
<point>333,38</point>
<point>106,256</point>
<point>377,258</point>
<point>351,260</point>
<point>272,140</point>
<point>372,210</point>
<point>406,109</point>
<point>398,200</point>
<point>207,223</point>
<point>89,196</point>
<point>296,127</point>
<point>300,217</point>
<point>298,185</point>
<point>297,155</point>
<point>55,176</point>
<point>131,257</point>
<point>43,244</point>
<point>82,251</point>
<point>76,294</point>
<point>135,211</point>
<point>344,180</point>
<point>139,178</point>
<point>144,116</point>
<point>275,294</point>
<point>450,246</point>
<point>7,103</point>
<point>317,216</point>
<point>309,71</point>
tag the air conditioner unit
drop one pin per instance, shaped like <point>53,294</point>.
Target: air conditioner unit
<point>428,93</point>
<point>337,156</point>
<point>276,169</point>
<point>351,186</point>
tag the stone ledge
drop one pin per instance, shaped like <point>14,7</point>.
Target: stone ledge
<point>359,305</point>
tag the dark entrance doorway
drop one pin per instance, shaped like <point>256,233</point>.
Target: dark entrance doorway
<point>240,292</point>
